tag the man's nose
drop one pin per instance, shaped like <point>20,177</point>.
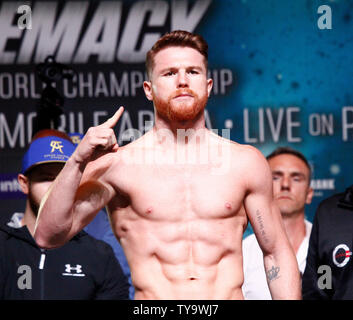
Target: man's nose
<point>182,79</point>
<point>285,183</point>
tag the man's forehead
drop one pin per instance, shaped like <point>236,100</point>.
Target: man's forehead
<point>292,172</point>
<point>287,162</point>
<point>178,56</point>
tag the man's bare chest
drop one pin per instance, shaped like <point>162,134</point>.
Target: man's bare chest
<point>192,190</point>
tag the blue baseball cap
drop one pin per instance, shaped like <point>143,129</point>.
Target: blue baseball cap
<point>47,150</point>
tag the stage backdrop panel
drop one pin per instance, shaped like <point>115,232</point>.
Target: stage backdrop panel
<point>282,74</point>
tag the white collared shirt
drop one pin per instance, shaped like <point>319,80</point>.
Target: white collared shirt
<point>255,284</point>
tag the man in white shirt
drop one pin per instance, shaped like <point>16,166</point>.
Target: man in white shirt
<point>291,174</point>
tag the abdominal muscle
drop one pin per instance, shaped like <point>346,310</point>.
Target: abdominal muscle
<point>197,259</point>
<point>159,280</point>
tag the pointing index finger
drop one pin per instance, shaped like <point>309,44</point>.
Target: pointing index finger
<point>111,122</point>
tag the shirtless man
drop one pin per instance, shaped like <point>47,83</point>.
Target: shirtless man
<point>180,225</point>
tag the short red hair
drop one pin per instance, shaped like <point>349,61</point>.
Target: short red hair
<point>177,38</point>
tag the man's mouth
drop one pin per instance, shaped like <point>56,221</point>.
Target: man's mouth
<point>284,197</point>
<point>184,95</point>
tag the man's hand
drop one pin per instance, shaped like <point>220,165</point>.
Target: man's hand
<point>98,140</point>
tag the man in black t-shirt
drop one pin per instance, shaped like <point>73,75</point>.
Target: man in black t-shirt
<point>329,268</point>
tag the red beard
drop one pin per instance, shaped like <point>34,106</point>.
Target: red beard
<point>179,110</point>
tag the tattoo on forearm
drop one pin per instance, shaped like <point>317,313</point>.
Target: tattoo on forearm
<point>261,225</point>
<point>272,274</point>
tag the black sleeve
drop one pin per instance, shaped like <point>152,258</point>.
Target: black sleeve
<point>115,285</point>
<point>310,288</point>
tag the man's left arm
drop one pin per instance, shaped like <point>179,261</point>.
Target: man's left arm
<point>281,266</point>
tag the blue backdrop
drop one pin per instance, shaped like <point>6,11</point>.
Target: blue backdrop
<point>283,61</point>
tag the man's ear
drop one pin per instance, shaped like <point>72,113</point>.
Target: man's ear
<point>24,183</point>
<point>209,86</point>
<point>309,195</point>
<point>147,87</point>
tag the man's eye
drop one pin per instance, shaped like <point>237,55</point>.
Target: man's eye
<point>169,73</point>
<point>275,178</point>
<point>193,72</point>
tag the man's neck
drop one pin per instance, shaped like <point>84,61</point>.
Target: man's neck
<point>295,229</point>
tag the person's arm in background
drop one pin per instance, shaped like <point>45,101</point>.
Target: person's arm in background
<point>280,263</point>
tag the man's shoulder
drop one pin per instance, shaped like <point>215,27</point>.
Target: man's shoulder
<point>333,205</point>
<point>331,201</point>
<point>144,140</point>
<point>135,151</point>
<point>251,163</point>
<point>246,162</point>
<point>250,154</point>
<point>241,150</point>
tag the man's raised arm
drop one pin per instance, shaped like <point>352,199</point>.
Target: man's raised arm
<point>69,204</point>
<point>281,266</point>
